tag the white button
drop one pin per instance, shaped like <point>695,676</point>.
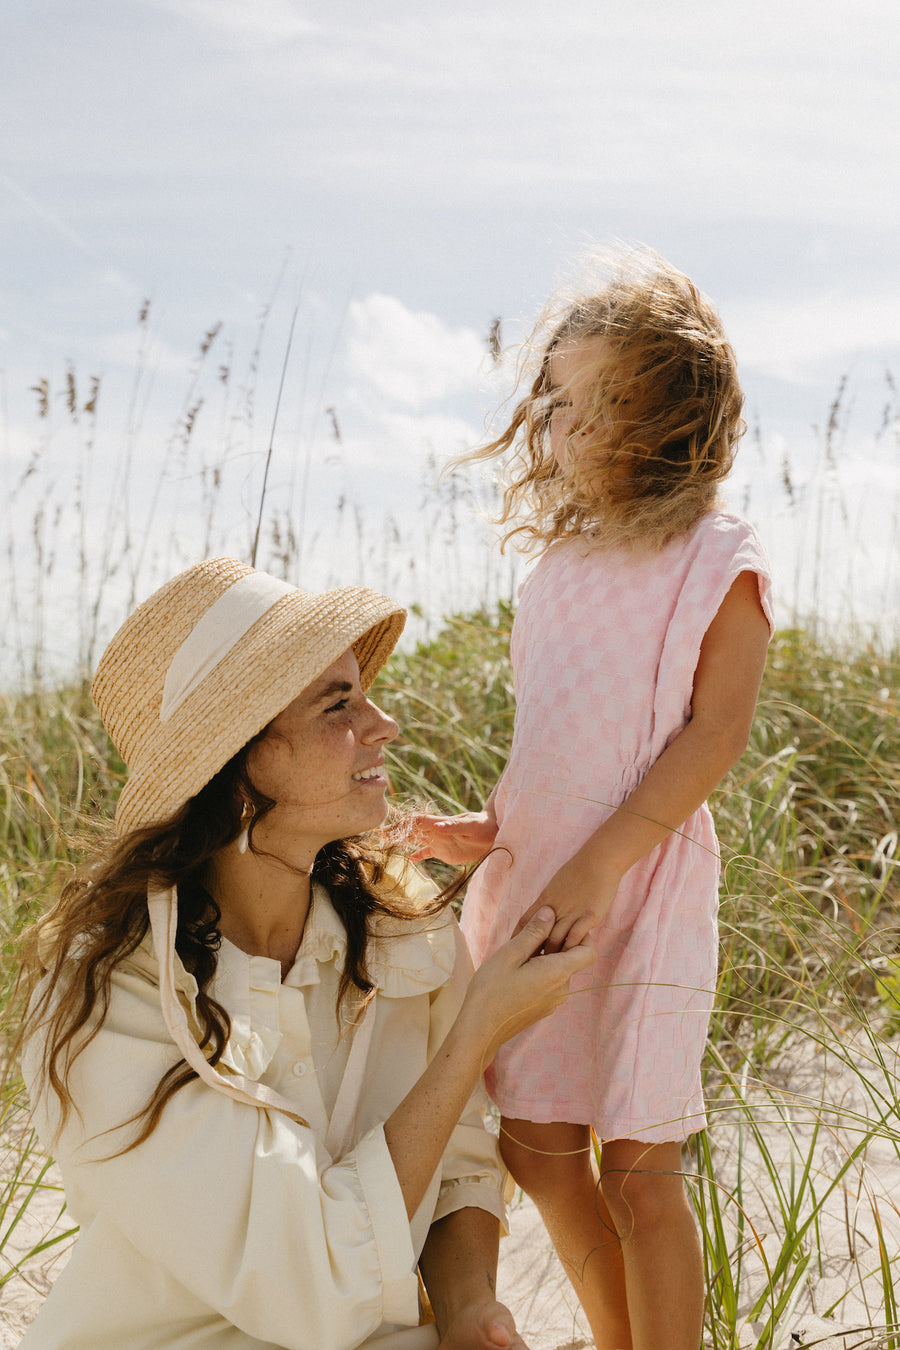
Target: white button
<point>299,1069</point>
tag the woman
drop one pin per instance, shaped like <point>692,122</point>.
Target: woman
<point>250,1046</point>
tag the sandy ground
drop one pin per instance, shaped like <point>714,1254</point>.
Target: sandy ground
<point>531,1281</point>
<point>819,1112</point>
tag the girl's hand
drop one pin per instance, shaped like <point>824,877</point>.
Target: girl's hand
<point>485,1326</point>
<point>517,986</point>
<point>458,840</point>
<point>580,896</point>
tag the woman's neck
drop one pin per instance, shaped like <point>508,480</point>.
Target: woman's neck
<point>263,903</point>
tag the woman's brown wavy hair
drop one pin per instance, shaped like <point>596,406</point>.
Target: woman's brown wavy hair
<point>101,917</point>
<point>658,422</point>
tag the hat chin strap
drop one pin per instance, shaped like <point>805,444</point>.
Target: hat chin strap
<point>163,909</point>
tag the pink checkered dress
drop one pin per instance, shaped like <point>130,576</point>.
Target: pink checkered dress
<point>604,650</point>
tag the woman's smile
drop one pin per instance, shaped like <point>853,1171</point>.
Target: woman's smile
<point>373,775</point>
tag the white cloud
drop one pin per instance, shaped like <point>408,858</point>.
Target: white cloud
<point>411,358</point>
<point>413,446</point>
<point>795,336</point>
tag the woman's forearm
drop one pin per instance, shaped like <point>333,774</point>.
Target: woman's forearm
<point>419,1129</point>
<point>459,1263</point>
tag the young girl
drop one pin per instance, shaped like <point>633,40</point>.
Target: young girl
<point>638,649</point>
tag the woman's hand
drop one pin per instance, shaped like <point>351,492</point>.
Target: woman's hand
<point>459,1267</point>
<point>458,840</point>
<point>483,1326</point>
<point>518,985</point>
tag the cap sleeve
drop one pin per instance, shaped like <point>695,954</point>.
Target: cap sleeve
<point>715,554</point>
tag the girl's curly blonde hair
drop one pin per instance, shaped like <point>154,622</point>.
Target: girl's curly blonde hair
<point>656,422</point>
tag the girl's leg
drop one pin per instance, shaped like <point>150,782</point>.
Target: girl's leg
<point>628,1243</point>
<point>644,1192</point>
<point>554,1165</point>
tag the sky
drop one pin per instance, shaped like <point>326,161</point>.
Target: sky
<point>392,179</point>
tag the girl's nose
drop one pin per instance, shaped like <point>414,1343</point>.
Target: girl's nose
<point>382,727</point>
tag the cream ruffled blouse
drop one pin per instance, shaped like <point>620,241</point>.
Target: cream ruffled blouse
<point>239,1227</point>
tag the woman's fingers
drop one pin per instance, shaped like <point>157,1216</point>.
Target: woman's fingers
<point>487,1327</point>
<point>521,968</point>
<point>518,986</point>
<point>533,929</point>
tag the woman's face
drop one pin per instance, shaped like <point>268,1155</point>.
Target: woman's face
<point>322,762</point>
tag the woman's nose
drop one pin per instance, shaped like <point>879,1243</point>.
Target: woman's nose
<point>383,728</point>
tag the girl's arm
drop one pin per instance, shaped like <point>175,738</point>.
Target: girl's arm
<point>726,685</point>
<point>459,1267</point>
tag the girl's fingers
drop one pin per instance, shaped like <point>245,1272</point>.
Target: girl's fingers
<point>572,959</point>
<point>558,934</point>
<point>527,917</point>
<point>570,930</point>
<point>560,964</point>
<point>580,932</point>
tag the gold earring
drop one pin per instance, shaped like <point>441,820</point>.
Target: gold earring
<point>243,839</point>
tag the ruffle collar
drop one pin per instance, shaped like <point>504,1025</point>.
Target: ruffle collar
<point>405,957</point>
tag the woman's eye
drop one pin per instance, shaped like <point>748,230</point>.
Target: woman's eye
<point>341,704</point>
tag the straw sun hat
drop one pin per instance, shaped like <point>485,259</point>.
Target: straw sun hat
<point>209,660</point>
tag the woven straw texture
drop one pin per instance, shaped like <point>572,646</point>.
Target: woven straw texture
<point>284,651</point>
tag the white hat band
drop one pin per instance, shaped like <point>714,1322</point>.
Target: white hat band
<point>216,632</point>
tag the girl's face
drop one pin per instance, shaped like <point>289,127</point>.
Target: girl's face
<point>574,368</point>
<point>322,762</point>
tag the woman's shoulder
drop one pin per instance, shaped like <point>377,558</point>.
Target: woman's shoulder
<point>141,967</point>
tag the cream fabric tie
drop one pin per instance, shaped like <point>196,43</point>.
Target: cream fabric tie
<point>213,636</point>
<point>163,908</point>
